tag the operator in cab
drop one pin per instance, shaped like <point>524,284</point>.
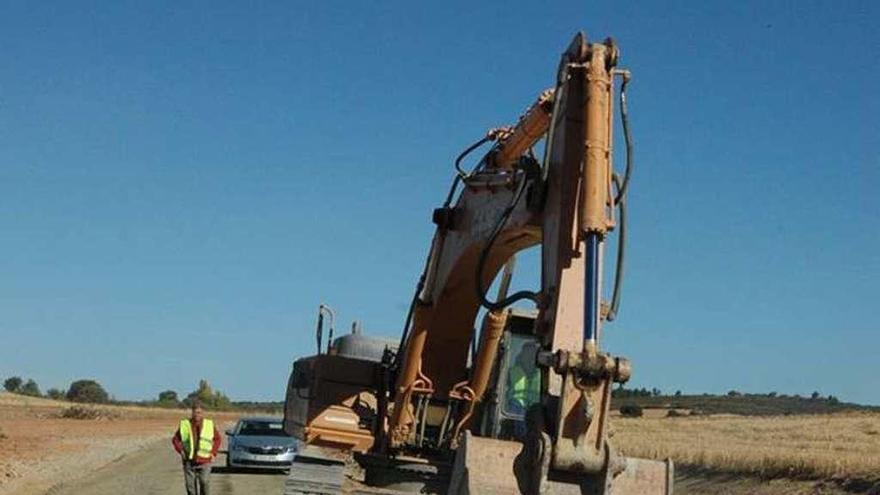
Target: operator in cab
<point>197,441</point>
<point>524,381</point>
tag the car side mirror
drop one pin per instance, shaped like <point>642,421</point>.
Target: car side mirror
<point>230,433</point>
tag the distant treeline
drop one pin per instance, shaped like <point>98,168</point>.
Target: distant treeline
<point>734,402</point>
<point>92,392</point>
<point>630,399</point>
<point>78,391</point>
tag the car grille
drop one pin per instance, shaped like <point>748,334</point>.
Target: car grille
<point>261,463</point>
<point>266,450</point>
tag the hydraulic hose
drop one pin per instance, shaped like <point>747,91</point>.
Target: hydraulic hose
<point>621,253</point>
<point>461,175</point>
<point>620,201</point>
<point>484,254</point>
<point>627,136</point>
<point>466,152</point>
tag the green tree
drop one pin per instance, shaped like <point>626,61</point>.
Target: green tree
<point>30,388</point>
<point>13,384</point>
<point>208,397</point>
<point>168,398</point>
<point>202,394</point>
<point>54,393</point>
<point>87,391</point>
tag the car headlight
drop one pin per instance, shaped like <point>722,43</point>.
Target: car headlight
<point>290,449</point>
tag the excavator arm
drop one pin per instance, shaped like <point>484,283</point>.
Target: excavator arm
<point>509,203</point>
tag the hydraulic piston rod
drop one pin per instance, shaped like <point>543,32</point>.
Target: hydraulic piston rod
<point>591,289</point>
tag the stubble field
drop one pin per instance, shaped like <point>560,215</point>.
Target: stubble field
<point>841,446</point>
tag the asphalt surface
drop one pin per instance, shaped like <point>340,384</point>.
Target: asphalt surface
<point>156,470</point>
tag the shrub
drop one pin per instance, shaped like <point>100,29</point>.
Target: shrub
<point>631,411</point>
<point>87,391</point>
<point>13,384</point>
<point>30,388</point>
<point>88,413</point>
<point>2,435</point>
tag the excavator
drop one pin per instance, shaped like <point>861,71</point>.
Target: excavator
<point>521,402</point>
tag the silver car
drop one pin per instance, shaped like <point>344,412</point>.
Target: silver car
<point>259,442</point>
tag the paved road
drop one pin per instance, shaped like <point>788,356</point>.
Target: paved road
<point>157,471</point>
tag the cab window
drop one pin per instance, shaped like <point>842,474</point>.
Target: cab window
<point>523,383</point>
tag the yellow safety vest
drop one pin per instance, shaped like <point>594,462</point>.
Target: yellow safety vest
<point>206,439</point>
<point>525,387</point>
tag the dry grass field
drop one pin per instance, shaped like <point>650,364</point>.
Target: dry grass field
<point>839,446</point>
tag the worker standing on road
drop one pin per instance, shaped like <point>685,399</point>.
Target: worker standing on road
<point>197,441</point>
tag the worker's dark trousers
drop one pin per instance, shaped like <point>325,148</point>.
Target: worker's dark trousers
<point>196,477</point>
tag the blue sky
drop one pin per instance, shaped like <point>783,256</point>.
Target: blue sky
<point>182,184</point>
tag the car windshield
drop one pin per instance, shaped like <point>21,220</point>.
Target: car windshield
<point>262,428</point>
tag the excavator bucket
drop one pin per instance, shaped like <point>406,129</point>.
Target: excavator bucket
<point>495,467</point>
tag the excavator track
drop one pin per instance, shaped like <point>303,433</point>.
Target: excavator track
<point>310,476</point>
<point>322,476</point>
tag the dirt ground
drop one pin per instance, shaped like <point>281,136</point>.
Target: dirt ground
<point>155,470</point>
<point>40,449</point>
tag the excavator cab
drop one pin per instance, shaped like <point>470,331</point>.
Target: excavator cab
<point>515,385</point>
